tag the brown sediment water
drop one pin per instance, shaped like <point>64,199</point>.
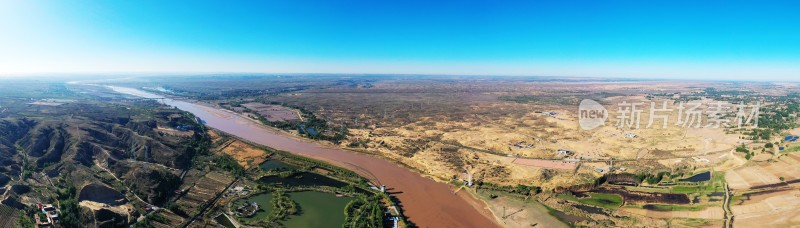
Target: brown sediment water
<point>425,202</point>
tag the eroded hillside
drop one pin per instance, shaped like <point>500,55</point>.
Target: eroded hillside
<point>117,158</point>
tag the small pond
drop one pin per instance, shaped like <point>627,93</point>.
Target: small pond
<point>275,165</point>
<point>304,179</point>
<point>699,177</point>
<point>317,209</point>
<point>590,209</point>
<point>571,219</point>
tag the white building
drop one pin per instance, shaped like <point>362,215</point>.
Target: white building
<point>564,153</point>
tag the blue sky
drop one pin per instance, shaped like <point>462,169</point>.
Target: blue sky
<point>756,40</point>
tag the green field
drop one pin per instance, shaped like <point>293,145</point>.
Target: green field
<point>646,189</point>
<point>695,189</point>
<point>608,201</point>
<point>791,149</point>
<point>666,207</point>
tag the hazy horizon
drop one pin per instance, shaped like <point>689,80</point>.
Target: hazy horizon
<point>145,75</point>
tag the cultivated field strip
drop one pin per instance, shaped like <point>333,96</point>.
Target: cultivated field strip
<point>171,218</point>
<point>8,216</point>
<point>202,191</point>
<point>765,175</point>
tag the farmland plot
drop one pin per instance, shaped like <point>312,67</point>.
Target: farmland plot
<point>165,219</point>
<point>273,113</point>
<point>8,216</point>
<point>203,190</point>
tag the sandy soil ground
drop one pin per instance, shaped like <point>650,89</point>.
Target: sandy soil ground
<point>789,218</point>
<point>175,132</point>
<point>747,177</point>
<point>787,167</point>
<point>215,137</point>
<point>777,209</point>
<point>708,213</point>
<point>547,164</point>
<point>535,135</point>
<point>121,209</point>
<point>694,223</point>
<point>247,156</point>
<point>512,212</point>
<point>795,131</point>
<point>764,174</point>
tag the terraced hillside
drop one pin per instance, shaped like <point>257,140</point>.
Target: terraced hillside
<point>117,156</point>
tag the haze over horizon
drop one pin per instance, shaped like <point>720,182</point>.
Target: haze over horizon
<point>714,40</point>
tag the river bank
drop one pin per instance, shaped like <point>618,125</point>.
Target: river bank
<point>426,203</point>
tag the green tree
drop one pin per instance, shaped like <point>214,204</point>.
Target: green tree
<point>70,214</point>
<point>25,221</point>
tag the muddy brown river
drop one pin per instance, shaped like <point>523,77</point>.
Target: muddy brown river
<point>425,202</point>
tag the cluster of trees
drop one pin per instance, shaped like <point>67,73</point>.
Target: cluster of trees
<point>172,206</point>
<point>653,178</point>
<point>282,206</point>
<point>520,189</point>
<point>24,221</point>
<point>200,142</point>
<point>227,163</point>
<point>364,212</point>
<point>358,143</point>
<point>146,222</point>
<point>338,172</point>
<point>764,134</point>
<point>773,120</point>
<point>70,211</point>
<point>629,178</point>
<point>743,149</point>
<point>312,127</point>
